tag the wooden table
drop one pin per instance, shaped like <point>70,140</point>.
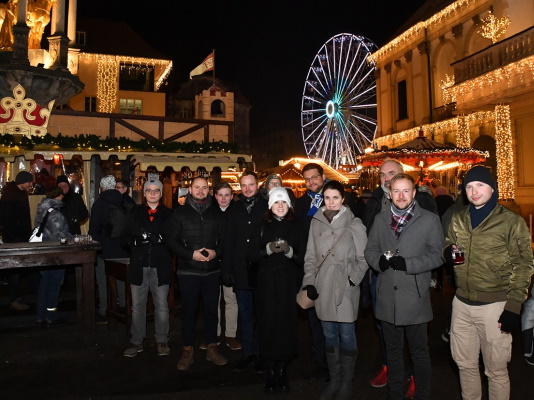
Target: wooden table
<point>49,254</point>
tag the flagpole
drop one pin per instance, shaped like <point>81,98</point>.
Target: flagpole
<point>214,66</point>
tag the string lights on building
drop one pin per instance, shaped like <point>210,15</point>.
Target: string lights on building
<point>463,137</point>
<point>505,154</point>
<point>448,96</point>
<point>493,28</point>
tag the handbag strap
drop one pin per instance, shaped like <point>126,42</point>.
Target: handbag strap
<point>43,222</point>
<point>330,250</point>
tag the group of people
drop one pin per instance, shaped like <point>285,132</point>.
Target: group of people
<point>257,251</point>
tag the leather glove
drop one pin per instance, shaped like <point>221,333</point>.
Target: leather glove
<point>311,292</point>
<point>155,238</point>
<point>398,263</point>
<point>447,254</point>
<point>285,247</point>
<point>510,321</point>
<point>227,280</point>
<point>384,263</point>
<point>273,248</point>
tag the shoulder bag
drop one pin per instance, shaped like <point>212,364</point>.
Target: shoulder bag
<point>37,233</point>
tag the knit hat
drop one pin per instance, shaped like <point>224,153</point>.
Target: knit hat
<point>62,178</point>
<point>271,177</point>
<point>278,193</point>
<point>156,182</point>
<point>366,194</point>
<point>23,177</point>
<point>479,174</point>
<point>54,193</point>
<point>107,182</point>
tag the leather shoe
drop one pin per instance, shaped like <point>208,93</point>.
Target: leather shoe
<point>244,363</point>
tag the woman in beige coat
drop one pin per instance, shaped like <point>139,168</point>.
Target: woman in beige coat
<point>340,239</point>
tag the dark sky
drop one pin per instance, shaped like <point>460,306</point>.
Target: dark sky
<point>265,47</point>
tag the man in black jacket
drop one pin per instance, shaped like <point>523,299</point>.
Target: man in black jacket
<point>74,209</point>
<point>242,219</point>
<point>195,237</point>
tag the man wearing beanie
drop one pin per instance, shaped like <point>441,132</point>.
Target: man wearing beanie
<point>16,225</point>
<point>74,209</point>
<point>492,284</point>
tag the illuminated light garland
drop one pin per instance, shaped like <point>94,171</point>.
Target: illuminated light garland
<point>505,154</point>
<point>448,96</point>
<point>463,137</point>
<point>448,12</point>
<point>107,83</point>
<point>493,28</point>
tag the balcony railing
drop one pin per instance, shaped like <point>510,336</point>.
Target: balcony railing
<point>515,48</point>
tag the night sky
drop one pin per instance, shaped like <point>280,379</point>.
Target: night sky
<point>264,47</point>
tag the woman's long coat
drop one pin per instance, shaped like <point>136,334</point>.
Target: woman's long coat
<point>338,280</point>
<point>278,280</point>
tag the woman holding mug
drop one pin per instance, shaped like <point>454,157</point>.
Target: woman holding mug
<point>275,251</point>
<point>334,266</point>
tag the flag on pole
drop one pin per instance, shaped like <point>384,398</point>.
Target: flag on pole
<point>207,65</point>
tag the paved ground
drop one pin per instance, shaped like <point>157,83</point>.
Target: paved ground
<point>51,363</point>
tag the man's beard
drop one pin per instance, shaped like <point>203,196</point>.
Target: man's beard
<point>195,198</point>
<point>384,188</point>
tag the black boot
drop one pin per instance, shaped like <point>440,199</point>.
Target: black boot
<point>281,375</point>
<point>528,341</point>
<point>332,358</point>
<point>347,366</point>
<point>271,378</point>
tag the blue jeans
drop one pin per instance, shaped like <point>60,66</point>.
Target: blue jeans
<point>342,334</point>
<point>249,338</point>
<point>161,307</point>
<point>192,289</point>
<point>48,294</point>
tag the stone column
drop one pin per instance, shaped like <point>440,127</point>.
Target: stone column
<point>57,26</point>
<point>424,51</point>
<point>21,32</point>
<point>71,21</point>
<point>391,96</point>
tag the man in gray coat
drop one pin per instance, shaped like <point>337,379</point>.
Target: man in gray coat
<point>404,246</point>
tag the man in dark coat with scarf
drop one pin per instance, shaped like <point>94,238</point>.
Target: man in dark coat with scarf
<point>242,219</point>
<point>74,208</point>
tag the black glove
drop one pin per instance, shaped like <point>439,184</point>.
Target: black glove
<point>384,263</point>
<point>227,280</point>
<point>398,263</point>
<point>155,238</point>
<point>510,321</point>
<point>447,254</point>
<point>311,292</point>
<point>273,248</point>
<point>285,247</point>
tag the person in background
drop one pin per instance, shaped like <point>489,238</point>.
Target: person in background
<point>527,328</point>
<point>276,251</point>
<point>273,181</point>
<point>17,227</point>
<point>195,236</point>
<point>55,228</point>
<point>74,209</point>
<point>123,186</point>
<point>404,247</point>
<point>150,268</point>
<point>492,282</point>
<point>336,243</point>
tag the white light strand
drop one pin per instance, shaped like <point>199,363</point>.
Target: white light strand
<point>505,154</point>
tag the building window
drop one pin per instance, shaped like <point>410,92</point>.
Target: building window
<point>131,106</point>
<point>402,99</point>
<point>136,77</point>
<point>90,104</point>
<point>80,38</point>
<point>217,109</point>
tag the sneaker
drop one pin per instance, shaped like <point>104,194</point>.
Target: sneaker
<point>381,378</point>
<point>410,392</point>
<point>214,355</point>
<point>244,363</point>
<point>101,319</point>
<point>57,322</point>
<point>163,349</point>
<point>530,360</point>
<point>133,350</point>
<point>186,360</point>
<point>18,306</point>
<point>233,343</point>
<point>446,335</point>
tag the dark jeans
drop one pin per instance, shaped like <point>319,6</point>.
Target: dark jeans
<point>417,338</point>
<point>246,312</point>
<point>48,294</point>
<point>192,289</point>
<point>374,277</point>
<point>318,340</point>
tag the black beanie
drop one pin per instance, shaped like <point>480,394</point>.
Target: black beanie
<point>54,193</point>
<point>62,178</point>
<point>23,177</point>
<point>480,174</point>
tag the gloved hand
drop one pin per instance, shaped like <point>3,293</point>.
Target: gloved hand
<point>227,280</point>
<point>510,321</point>
<point>398,263</point>
<point>155,238</point>
<point>311,292</point>
<point>285,247</point>
<point>447,254</point>
<point>384,263</point>
<point>273,248</point>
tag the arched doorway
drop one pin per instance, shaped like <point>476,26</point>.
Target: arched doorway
<point>487,143</point>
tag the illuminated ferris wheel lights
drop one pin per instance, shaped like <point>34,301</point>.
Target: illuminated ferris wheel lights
<point>331,108</point>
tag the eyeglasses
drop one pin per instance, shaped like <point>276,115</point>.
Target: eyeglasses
<point>153,191</point>
<point>120,187</point>
<point>311,178</point>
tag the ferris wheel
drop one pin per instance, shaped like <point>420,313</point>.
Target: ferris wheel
<point>338,113</point>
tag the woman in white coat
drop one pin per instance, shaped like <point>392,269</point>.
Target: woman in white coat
<point>336,242</point>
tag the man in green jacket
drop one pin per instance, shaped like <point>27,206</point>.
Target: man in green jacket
<point>492,281</point>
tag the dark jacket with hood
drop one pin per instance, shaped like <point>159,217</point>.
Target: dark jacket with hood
<point>74,210</point>
<point>56,225</point>
<point>15,214</point>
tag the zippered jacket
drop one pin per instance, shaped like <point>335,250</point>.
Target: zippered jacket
<point>498,257</point>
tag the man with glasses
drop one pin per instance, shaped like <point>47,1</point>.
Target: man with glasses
<point>123,186</point>
<point>273,181</point>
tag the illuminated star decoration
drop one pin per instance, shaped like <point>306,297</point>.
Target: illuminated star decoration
<point>493,28</point>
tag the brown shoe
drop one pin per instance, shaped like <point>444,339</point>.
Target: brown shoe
<point>233,343</point>
<point>186,360</point>
<point>213,355</point>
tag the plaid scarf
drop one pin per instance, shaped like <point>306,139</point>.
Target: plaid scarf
<point>400,218</point>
